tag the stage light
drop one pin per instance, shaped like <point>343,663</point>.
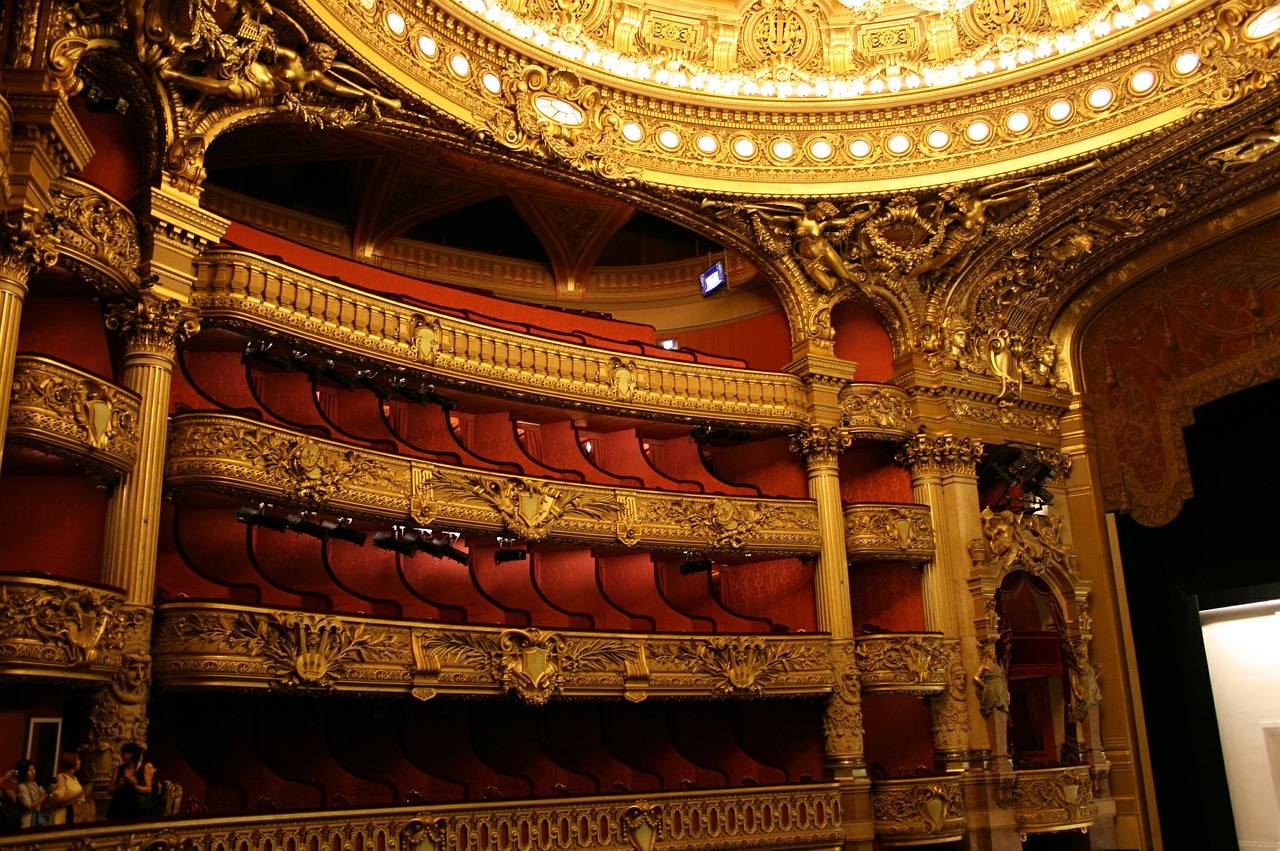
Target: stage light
<point>424,394</point>
<point>341,529</point>
<point>251,516</point>
<point>368,379</point>
<point>303,525</point>
<point>405,544</point>
<point>444,548</point>
<point>269,354</point>
<point>504,555</point>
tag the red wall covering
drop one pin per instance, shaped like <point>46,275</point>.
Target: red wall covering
<point>868,473</point>
<point>52,524</point>
<point>897,734</point>
<point>116,166</point>
<point>886,594</point>
<point>763,341</point>
<point>861,337</point>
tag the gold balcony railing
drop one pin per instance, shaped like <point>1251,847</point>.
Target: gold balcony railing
<point>1051,799</point>
<point>66,411</point>
<point>918,810</point>
<point>213,644</point>
<point>767,817</point>
<point>97,233</point>
<point>58,628</point>
<point>903,663</point>
<point>874,531</point>
<point>232,454</point>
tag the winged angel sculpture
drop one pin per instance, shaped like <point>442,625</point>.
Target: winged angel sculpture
<point>236,49</point>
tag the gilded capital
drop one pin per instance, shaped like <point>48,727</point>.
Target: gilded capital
<point>152,325</point>
<point>823,443</point>
<point>27,243</point>
<point>940,454</point>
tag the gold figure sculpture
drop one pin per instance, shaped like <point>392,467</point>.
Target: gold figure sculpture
<point>814,232</point>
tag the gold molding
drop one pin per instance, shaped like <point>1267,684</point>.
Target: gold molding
<point>219,645</point>
<point>918,810</point>
<point>58,628</point>
<point>68,412</point>
<point>876,410</point>
<point>243,290</point>
<point>232,454</point>
<point>97,231</point>
<point>875,531</point>
<point>802,816</point>
<point>903,663</point>
<point>1051,799</point>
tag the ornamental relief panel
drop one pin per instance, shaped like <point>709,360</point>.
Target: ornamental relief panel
<point>873,532</point>
<point>227,453</point>
<point>59,409</point>
<point>1051,799</point>
<point>215,644</point>
<point>97,231</point>
<point>903,663</point>
<point>918,810</point>
<point>60,629</point>
<point>1030,542</point>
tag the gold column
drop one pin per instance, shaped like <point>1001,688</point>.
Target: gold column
<point>44,142</point>
<point>944,477</point>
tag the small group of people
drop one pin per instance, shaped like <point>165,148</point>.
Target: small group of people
<point>28,804</point>
<point>24,802</point>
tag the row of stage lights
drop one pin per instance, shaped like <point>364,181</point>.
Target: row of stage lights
<point>403,540</point>
<point>284,358</point>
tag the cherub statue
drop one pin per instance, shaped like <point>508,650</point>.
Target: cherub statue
<point>814,230</point>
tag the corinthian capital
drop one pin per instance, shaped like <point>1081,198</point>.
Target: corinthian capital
<point>821,442</point>
<point>27,243</point>
<point>940,454</point>
<point>153,325</point>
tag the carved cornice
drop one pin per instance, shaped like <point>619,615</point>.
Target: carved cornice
<point>876,410</point>
<point>903,663</point>
<point>227,453</point>
<point>917,810</point>
<point>757,817</point>
<point>874,531</point>
<point>211,644</point>
<point>69,412</point>
<point>58,628</point>
<point>242,290</point>
<point>1051,799</point>
<point>97,231</point>
<point>153,326</point>
<point>941,454</point>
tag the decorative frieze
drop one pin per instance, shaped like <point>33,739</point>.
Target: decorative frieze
<point>874,531</point>
<point>821,444</point>
<point>757,817</point>
<point>261,296</point>
<point>918,810</point>
<point>67,411</point>
<point>1030,542</point>
<point>211,644</point>
<point>1051,799</point>
<point>228,453</point>
<point>58,628</point>
<point>903,663</point>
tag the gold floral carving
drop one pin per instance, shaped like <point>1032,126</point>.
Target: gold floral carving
<point>204,644</point>
<point>842,715</point>
<point>941,454</point>
<point>97,231</point>
<point>293,649</point>
<point>555,114</point>
<point>529,508</point>
<point>821,443</point>
<point>1030,542</point>
<point>742,664</point>
<point>875,531</point>
<point>1240,64</point>
<point>918,810</point>
<point>118,710</point>
<point>60,628</point>
<point>69,412</point>
<point>902,663</point>
<point>1053,799</point>
<point>28,243</point>
<point>875,410</point>
<point>262,296</point>
<point>532,663</point>
<point>152,325</point>
<point>949,715</point>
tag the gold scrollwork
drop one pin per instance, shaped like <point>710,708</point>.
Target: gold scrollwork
<point>1030,542</point>
<point>903,663</point>
<point>556,113</point>
<point>56,625</point>
<point>941,454</point>
<point>739,665</point>
<point>1053,799</point>
<point>529,508</point>
<point>875,410</point>
<point>97,230</point>
<point>874,531</point>
<point>916,810</point>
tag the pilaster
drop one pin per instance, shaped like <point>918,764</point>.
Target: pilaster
<point>175,230</point>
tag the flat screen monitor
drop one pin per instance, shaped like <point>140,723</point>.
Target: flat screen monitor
<point>713,279</point>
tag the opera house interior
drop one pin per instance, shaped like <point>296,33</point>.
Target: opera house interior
<point>544,425</point>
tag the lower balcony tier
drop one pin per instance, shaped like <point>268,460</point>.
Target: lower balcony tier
<point>60,629</point>
<point>919,810</point>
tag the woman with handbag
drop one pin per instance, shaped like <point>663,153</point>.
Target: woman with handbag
<point>30,794</point>
<point>65,791</point>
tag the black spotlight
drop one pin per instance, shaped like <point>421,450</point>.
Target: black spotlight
<point>251,516</point>
<point>341,529</point>
<point>1022,471</point>
<point>405,544</point>
<point>304,525</point>
<point>444,548</point>
<point>368,379</point>
<point>96,100</point>
<point>505,554</point>
<point>269,354</point>
<point>697,565</point>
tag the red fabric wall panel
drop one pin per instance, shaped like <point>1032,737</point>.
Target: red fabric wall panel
<point>897,733</point>
<point>214,547</point>
<point>620,453</point>
<point>560,449</point>
<point>639,736</point>
<point>691,594</point>
<point>493,435</point>
<point>447,583</point>
<point>704,732</point>
<point>436,738</point>
<point>681,458</point>
<point>567,580</point>
<point>762,341</point>
<point>370,574</point>
<point>571,736</point>
<point>117,161</point>
<point>289,398</point>
<point>785,734</point>
<point>52,524</point>
<point>780,590</point>
<point>861,337</point>
<point>868,473</point>
<point>887,593</point>
<point>769,465</point>
<point>66,329</point>
<point>629,581</point>
<point>212,379</point>
<point>505,736</point>
<point>292,563</point>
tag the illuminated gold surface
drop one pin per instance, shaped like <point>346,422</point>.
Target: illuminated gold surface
<point>910,663</point>
<point>58,628</point>
<point>880,531</point>
<point>919,810</point>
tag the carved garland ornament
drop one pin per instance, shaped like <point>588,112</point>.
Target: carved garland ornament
<point>97,229</point>
<point>916,811</point>
<point>842,716</point>
<point>554,113</point>
<point>888,531</point>
<point>58,624</point>
<point>902,664</point>
<point>739,665</point>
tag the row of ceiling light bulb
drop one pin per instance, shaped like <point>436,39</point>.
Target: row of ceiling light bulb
<point>495,12</point>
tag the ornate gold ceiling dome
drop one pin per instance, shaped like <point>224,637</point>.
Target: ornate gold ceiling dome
<point>812,97</point>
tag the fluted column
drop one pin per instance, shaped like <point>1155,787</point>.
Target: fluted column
<point>821,447</point>
<point>944,477</point>
<point>151,329</point>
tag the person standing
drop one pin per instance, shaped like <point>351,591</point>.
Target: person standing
<point>30,794</point>
<point>65,789</point>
